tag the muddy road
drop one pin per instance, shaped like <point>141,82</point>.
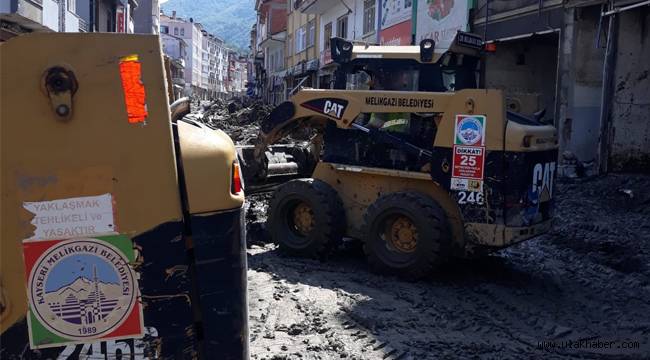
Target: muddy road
<point>581,291</point>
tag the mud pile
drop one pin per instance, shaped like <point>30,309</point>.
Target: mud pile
<point>239,119</point>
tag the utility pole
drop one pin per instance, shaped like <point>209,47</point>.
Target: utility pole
<point>414,21</point>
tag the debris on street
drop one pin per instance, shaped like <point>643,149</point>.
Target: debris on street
<point>237,119</point>
<point>589,279</point>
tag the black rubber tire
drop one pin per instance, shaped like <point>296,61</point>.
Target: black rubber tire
<point>433,242</point>
<point>329,218</point>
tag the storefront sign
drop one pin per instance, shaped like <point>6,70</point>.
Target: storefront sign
<point>396,35</point>
<point>394,12</point>
<point>440,20</point>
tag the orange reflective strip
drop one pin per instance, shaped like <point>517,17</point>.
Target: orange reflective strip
<point>134,95</point>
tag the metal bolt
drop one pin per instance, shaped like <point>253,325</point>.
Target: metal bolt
<point>62,110</point>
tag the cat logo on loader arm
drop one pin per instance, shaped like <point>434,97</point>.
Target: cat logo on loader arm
<point>122,225</point>
<point>461,175</point>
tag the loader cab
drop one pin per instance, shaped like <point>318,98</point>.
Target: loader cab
<point>396,68</point>
<point>404,68</point>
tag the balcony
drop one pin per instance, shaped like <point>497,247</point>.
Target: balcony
<point>316,7</point>
<point>178,81</point>
<point>83,26</point>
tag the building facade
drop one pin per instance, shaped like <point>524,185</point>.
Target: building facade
<point>146,17</point>
<point>301,49</point>
<point>348,19</point>
<point>73,15</point>
<point>237,74</point>
<point>206,67</point>
<point>175,48</point>
<point>270,42</point>
<point>585,63</point>
<point>582,61</point>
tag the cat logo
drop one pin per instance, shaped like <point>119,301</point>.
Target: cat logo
<point>543,175</point>
<point>333,109</point>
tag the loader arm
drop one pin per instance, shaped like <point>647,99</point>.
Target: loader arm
<point>315,107</point>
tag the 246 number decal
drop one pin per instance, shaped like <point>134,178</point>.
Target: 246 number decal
<point>469,197</point>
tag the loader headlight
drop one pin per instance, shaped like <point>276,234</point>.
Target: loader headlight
<point>341,50</point>
<point>426,50</point>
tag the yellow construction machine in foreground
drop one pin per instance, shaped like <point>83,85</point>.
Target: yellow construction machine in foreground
<point>122,230</point>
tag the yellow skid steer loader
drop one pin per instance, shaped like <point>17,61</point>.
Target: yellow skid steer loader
<point>414,160</point>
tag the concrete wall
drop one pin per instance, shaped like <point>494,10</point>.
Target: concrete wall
<point>51,14</point>
<point>630,115</point>
<point>526,66</point>
<point>580,120</point>
<point>28,9</point>
<point>142,17</point>
<point>171,46</point>
<point>71,22</point>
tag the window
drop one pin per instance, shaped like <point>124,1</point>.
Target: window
<point>182,31</point>
<point>311,33</point>
<point>368,16</point>
<point>301,39</point>
<point>176,31</point>
<point>164,29</point>
<point>327,34</point>
<point>342,27</point>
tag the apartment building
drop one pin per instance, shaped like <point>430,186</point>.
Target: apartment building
<point>270,38</point>
<point>237,74</point>
<point>301,49</point>
<point>175,48</point>
<point>206,58</point>
<point>72,15</point>
<point>349,19</point>
<point>191,33</point>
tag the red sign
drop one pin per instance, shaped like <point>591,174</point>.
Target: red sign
<point>399,34</point>
<point>468,162</point>
<point>119,19</point>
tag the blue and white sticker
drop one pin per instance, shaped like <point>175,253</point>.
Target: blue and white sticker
<point>470,130</point>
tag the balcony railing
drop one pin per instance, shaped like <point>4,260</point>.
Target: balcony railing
<point>83,26</point>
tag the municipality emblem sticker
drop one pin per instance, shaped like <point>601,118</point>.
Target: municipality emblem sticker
<point>81,290</point>
<point>470,130</point>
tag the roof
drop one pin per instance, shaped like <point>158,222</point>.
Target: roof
<point>464,43</point>
<point>389,52</point>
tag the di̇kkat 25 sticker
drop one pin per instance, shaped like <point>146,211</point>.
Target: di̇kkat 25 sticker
<point>468,160</point>
<point>80,287</point>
